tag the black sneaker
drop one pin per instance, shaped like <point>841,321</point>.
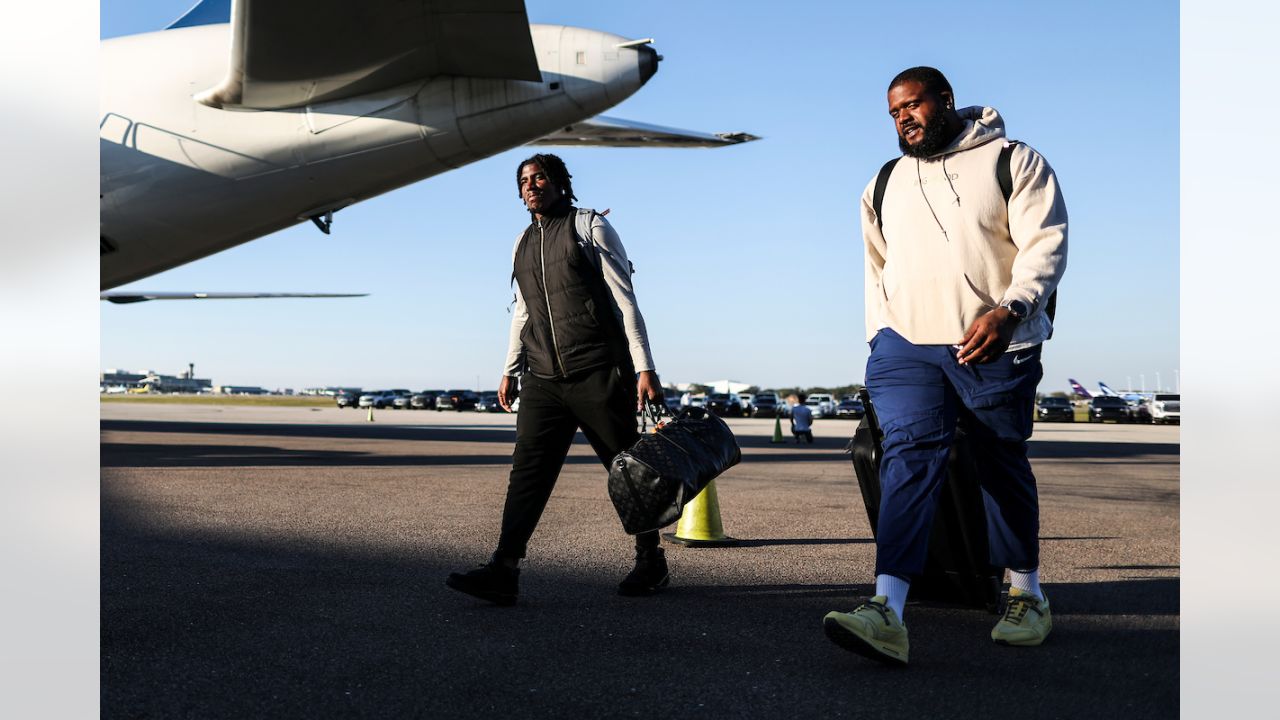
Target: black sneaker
<point>492,581</point>
<point>648,576</point>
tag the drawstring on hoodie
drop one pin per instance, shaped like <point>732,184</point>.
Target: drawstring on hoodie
<point>948,177</point>
<point>920,184</point>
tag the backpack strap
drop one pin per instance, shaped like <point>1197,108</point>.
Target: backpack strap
<point>882,182</point>
<point>1004,176</point>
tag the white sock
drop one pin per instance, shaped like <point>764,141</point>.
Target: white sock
<point>894,588</point>
<point>1027,582</point>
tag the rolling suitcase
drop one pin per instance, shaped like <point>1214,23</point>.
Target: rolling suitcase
<point>957,569</point>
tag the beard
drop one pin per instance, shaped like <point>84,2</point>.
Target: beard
<point>935,139</point>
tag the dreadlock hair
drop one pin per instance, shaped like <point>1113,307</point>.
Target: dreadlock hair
<point>933,80</point>
<point>554,168</point>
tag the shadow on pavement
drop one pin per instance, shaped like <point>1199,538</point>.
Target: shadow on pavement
<point>369,431</point>
<point>207,624</point>
<point>180,455</point>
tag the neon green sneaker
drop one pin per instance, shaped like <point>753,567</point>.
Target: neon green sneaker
<point>872,630</point>
<point>1026,620</point>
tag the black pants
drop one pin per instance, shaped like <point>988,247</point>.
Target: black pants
<point>603,403</point>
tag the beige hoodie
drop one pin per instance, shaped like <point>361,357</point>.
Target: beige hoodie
<point>950,249</point>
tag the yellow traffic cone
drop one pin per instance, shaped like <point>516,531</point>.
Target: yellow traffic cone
<point>699,524</point>
<point>370,413</point>
<point>777,430</point>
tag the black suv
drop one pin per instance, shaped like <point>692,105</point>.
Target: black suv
<point>766,404</point>
<point>1055,408</point>
<point>457,400</point>
<point>1102,409</point>
<point>425,400</point>
<point>725,404</point>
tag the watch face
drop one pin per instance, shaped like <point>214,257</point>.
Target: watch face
<point>1018,309</point>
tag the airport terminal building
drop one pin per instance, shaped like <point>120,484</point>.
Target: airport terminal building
<point>115,380</point>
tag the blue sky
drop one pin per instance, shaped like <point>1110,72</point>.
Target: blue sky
<point>749,259</point>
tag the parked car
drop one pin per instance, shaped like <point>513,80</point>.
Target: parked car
<point>822,405</point>
<point>698,400</point>
<point>671,398</point>
<point>1053,408</point>
<point>851,407</point>
<point>765,404</point>
<point>457,400</point>
<point>402,401</point>
<point>725,404</point>
<point>1139,410</point>
<point>347,399</point>
<point>748,403</point>
<point>425,400</point>
<point>488,402</point>
<point>377,399</point>
<point>1108,407</point>
<point>1166,408</point>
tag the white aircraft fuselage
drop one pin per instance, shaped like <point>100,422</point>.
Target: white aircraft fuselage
<point>181,180</point>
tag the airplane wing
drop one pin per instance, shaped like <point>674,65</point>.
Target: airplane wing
<point>122,297</point>
<point>613,132</point>
<point>287,54</point>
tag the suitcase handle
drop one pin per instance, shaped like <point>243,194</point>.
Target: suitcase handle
<point>868,408</point>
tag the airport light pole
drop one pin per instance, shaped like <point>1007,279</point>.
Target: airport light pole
<point>1159,386</point>
<point>1142,380</point>
<point>1177,382</point>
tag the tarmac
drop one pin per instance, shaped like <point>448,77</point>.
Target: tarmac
<point>290,562</point>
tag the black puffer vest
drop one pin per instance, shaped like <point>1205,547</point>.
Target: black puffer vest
<point>571,327</point>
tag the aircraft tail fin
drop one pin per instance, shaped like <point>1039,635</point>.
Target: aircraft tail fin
<point>1078,389</point>
<point>1106,390</point>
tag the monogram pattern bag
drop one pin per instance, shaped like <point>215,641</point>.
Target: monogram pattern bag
<point>651,482</point>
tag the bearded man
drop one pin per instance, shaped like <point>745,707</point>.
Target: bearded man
<point>959,278</point>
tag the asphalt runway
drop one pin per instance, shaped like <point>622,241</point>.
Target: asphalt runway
<point>289,562</point>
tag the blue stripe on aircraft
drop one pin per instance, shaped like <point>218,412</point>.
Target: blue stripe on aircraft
<point>205,12</point>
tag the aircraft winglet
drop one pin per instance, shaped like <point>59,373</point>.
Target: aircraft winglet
<point>605,131</point>
<point>123,297</point>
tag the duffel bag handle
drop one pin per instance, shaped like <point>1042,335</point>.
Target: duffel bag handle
<point>653,410</point>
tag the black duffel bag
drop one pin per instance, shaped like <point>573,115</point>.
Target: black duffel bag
<point>651,483</point>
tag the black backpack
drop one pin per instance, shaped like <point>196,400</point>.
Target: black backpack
<point>1004,176</point>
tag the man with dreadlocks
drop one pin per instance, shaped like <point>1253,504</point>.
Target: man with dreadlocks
<point>578,357</point>
<point>962,259</point>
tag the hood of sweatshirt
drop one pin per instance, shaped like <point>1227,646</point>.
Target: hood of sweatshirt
<point>981,126</point>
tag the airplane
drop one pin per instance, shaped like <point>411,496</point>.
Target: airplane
<point>242,118</point>
<point>1078,389</point>
<point>1103,391</point>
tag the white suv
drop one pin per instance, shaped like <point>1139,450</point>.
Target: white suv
<point>377,399</point>
<point>1166,408</point>
<point>822,405</point>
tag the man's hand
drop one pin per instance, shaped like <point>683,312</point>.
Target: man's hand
<point>987,338</point>
<point>508,391</point>
<point>648,388</point>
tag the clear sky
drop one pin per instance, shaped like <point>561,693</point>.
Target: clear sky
<point>748,258</point>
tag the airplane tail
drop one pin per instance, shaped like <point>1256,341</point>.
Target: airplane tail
<point>1078,389</point>
<point>1106,390</point>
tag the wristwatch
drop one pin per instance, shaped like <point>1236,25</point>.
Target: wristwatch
<point>1018,310</point>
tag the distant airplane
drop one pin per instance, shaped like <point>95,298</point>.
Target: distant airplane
<point>1106,390</point>
<point>1103,391</point>
<point>1078,389</point>
<point>243,118</point>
